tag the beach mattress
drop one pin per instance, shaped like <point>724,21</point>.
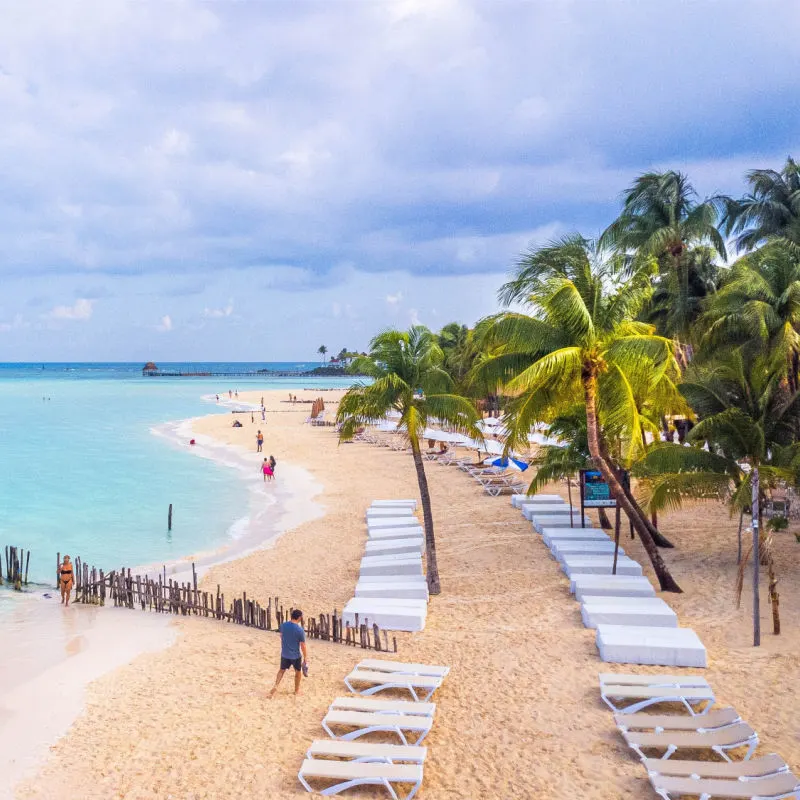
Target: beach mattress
<point>562,547</point>
<point>666,647</point>
<point>394,533</point>
<point>598,565</point>
<point>552,535</point>
<point>389,503</point>
<point>393,511</point>
<point>378,523</point>
<point>393,546</point>
<point>519,500</point>
<point>391,565</point>
<point>542,521</point>
<point>392,588</point>
<point>531,510</point>
<point>583,586</point>
<point>391,615</point>
<point>650,612</point>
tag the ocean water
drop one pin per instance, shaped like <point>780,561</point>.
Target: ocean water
<point>81,471</point>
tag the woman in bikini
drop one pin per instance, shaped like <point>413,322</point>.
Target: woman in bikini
<point>66,579</point>
<point>266,469</point>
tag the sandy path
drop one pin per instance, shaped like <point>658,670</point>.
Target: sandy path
<point>519,715</point>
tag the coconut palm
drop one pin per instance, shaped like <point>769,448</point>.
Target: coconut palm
<point>458,349</point>
<point>407,376</point>
<point>662,218</point>
<point>747,417</point>
<point>770,211</point>
<point>322,350</point>
<point>582,345</point>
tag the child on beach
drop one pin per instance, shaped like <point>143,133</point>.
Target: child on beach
<point>266,469</point>
<point>66,579</point>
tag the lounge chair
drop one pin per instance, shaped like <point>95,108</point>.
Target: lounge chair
<point>402,521</point>
<point>421,687</point>
<point>650,611</point>
<point>575,564</point>
<point>583,586</point>
<point>519,500</point>
<point>731,770</point>
<point>403,668</point>
<point>354,702</point>
<point>364,722</point>
<point>389,503</point>
<point>390,547</point>
<point>531,510</point>
<point>691,691</point>
<point>565,547</point>
<point>657,723</point>
<point>720,740</point>
<point>395,533</point>
<point>496,489</point>
<point>367,752</point>
<point>400,587</point>
<point>541,521</point>
<point>355,773</point>
<point>402,564</point>
<point>658,679</point>
<point>673,647</point>
<point>378,512</point>
<point>391,614</point>
<point>773,787</point>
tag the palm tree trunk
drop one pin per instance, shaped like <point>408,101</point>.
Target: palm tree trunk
<point>665,579</point>
<point>756,558</point>
<point>605,522</point>
<point>434,586</point>
<point>616,539</point>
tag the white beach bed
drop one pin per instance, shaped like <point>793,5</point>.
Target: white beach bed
<point>583,586</point>
<point>651,612</point>
<point>599,565</point>
<point>391,565</point>
<point>542,521</point>
<point>519,500</point>
<point>389,614</point>
<point>627,644</point>
<point>392,511</point>
<point>552,535</point>
<point>379,523</point>
<point>531,510</point>
<point>390,547</point>
<point>392,587</point>
<point>376,535</point>
<point>394,503</point>
<point>565,547</point>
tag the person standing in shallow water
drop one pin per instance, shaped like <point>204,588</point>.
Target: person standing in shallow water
<point>272,463</point>
<point>293,651</point>
<point>266,469</point>
<point>65,580</point>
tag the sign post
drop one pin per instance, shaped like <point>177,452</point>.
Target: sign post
<point>595,492</point>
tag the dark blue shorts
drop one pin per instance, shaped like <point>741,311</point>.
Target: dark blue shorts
<point>297,663</point>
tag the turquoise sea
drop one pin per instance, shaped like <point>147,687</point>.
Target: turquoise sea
<point>82,473</point>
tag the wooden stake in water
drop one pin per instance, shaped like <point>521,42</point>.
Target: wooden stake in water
<point>169,518</point>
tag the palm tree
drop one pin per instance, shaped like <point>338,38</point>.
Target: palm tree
<point>458,349</point>
<point>581,345</point>
<point>661,218</point>
<point>407,376</point>
<point>748,417</point>
<point>770,211</point>
<point>322,350</point>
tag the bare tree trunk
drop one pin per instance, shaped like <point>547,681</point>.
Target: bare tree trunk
<point>756,560</point>
<point>665,579</point>
<point>434,586</point>
<point>616,539</point>
<point>739,537</point>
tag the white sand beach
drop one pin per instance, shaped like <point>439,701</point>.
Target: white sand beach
<point>520,713</point>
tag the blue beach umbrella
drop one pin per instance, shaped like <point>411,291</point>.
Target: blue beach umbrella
<point>509,463</point>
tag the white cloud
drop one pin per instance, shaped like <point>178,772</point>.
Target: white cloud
<point>219,313</point>
<point>165,326</point>
<point>80,310</point>
<point>394,299</point>
<point>16,323</point>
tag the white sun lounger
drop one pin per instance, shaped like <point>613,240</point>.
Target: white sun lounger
<point>391,511</point>
<point>353,702</point>
<point>391,614</point>
<point>390,565</point>
<point>394,546</point>
<point>392,588</point>
<point>392,503</point>
<point>654,723</point>
<point>542,521</point>
<point>652,612</point>
<point>565,547</point>
<point>771,787</point>
<point>695,699</point>
<point>403,667</point>
<point>417,685</point>
<point>657,679</point>
<point>348,774</point>
<point>610,585</point>
<point>599,565</point>
<point>531,510</point>
<point>366,722</point>
<point>367,752</point>
<point>519,500</point>
<point>379,523</point>
<point>675,647</point>
<point>718,740</point>
<point>380,534</point>
<point>552,535</point>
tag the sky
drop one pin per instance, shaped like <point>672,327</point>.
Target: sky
<point>248,180</point>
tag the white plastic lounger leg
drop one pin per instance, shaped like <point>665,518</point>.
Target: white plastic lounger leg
<point>359,732</point>
<point>380,687</point>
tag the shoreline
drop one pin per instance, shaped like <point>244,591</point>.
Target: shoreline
<point>97,641</point>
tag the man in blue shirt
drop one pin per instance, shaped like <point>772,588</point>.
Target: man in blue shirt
<point>293,651</point>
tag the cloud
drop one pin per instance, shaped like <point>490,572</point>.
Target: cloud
<point>165,326</point>
<point>394,299</point>
<point>80,310</point>
<point>218,313</point>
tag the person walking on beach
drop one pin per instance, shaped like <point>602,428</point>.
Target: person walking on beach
<point>266,469</point>
<point>66,579</point>
<point>293,651</point>
<point>272,463</point>
<point>259,442</point>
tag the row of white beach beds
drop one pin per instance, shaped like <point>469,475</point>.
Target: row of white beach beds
<point>391,592</point>
<point>633,625</point>
<point>702,728</point>
<point>347,760</point>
